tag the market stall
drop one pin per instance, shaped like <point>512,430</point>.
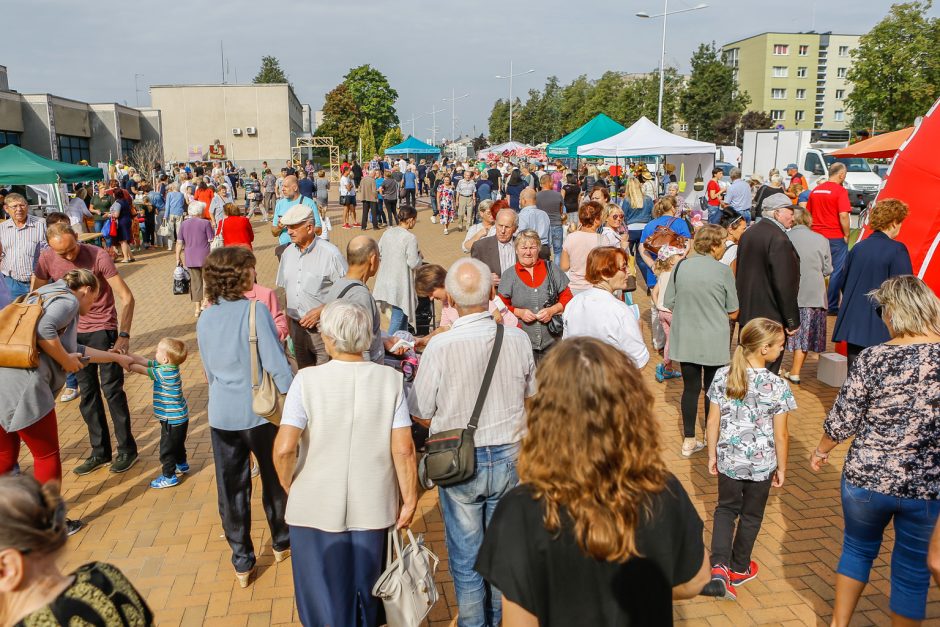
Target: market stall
<point>413,146</point>
<point>22,167</point>
<point>599,128</point>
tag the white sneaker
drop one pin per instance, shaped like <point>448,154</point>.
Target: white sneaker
<point>446,231</point>
<point>691,446</point>
<point>433,219</point>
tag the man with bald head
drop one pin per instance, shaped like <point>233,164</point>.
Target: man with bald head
<point>497,251</point>
<point>291,196</point>
<point>362,255</point>
<point>531,217</point>
<point>461,355</point>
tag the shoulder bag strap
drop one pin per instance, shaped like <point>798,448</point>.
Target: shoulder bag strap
<point>347,288</point>
<point>253,344</point>
<point>549,278</point>
<point>487,379</point>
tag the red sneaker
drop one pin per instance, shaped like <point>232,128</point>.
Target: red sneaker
<point>721,575</point>
<point>346,226</point>
<point>357,224</point>
<point>738,578</point>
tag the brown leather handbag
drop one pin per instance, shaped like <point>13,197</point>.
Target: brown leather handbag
<point>18,322</point>
<point>664,236</point>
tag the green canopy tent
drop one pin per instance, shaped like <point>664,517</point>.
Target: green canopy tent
<point>413,146</point>
<point>22,167</point>
<point>599,128</point>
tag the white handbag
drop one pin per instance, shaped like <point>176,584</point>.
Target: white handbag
<point>218,241</point>
<point>407,586</point>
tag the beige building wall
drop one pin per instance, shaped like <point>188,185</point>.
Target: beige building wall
<point>11,112</point>
<point>70,117</point>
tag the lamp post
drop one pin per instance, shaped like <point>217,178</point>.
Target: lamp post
<point>412,120</point>
<point>662,56</point>
<point>453,112</point>
<point>136,88</point>
<point>510,77</point>
<point>433,113</point>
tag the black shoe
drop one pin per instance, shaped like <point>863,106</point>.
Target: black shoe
<point>73,526</point>
<point>124,462</point>
<point>90,465</point>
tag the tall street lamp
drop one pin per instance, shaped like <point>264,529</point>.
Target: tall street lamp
<point>453,112</point>
<point>662,57</point>
<point>433,113</point>
<point>412,120</point>
<point>510,77</point>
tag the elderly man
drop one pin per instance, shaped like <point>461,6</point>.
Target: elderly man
<point>309,267</point>
<point>830,207</point>
<point>768,278</point>
<point>22,238</point>
<point>462,354</point>
<point>292,197</point>
<point>738,196</point>
<point>105,327</point>
<point>466,199</point>
<point>531,217</point>
<point>497,251</point>
<point>369,197</point>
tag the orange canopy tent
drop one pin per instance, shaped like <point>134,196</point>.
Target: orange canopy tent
<point>878,147</point>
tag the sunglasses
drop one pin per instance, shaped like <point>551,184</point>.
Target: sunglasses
<point>879,311</point>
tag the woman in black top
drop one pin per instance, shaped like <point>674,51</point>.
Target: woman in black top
<point>571,194</point>
<point>598,532</point>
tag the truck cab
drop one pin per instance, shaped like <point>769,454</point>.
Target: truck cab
<point>861,183</point>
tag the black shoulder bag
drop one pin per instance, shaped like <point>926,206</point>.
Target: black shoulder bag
<point>555,326</point>
<point>450,458</point>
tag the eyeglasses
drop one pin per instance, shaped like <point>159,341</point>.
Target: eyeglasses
<point>616,217</point>
<point>735,221</point>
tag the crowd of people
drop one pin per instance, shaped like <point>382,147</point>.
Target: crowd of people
<point>555,525</point>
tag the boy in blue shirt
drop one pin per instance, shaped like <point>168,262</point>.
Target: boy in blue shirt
<point>169,406</point>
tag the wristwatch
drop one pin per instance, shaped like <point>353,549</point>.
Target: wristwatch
<point>125,335</point>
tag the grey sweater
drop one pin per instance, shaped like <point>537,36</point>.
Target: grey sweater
<point>519,294</point>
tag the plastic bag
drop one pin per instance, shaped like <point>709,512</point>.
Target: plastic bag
<point>180,281</point>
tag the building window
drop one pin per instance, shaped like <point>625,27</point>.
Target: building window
<point>801,72</point>
<point>127,146</point>
<point>799,115</point>
<point>10,138</point>
<point>839,115</point>
<point>683,128</point>
<point>843,51</point>
<point>801,94</point>
<point>781,49</point>
<point>778,94</point>
<point>781,71</point>
<point>841,72</point>
<point>73,149</point>
<point>777,115</point>
<point>840,94</point>
<point>804,50</point>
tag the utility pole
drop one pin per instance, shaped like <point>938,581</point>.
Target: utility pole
<point>136,88</point>
<point>433,113</point>
<point>510,77</point>
<point>453,112</point>
<point>412,120</point>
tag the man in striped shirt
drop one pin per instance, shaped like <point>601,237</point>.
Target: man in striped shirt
<point>169,406</point>
<point>22,237</point>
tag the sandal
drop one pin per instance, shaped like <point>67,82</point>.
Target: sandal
<point>795,379</point>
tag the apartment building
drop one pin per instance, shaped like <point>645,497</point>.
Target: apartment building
<point>799,79</point>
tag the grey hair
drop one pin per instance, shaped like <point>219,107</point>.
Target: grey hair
<point>348,325</point>
<point>469,283</point>
<point>735,173</point>
<point>196,208</point>
<point>515,216</point>
<point>484,206</point>
<point>173,187</point>
<point>672,186</point>
<point>776,180</point>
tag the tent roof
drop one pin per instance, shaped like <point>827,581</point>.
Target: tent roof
<point>878,147</point>
<point>600,127</point>
<point>645,138</point>
<point>22,167</point>
<point>413,145</point>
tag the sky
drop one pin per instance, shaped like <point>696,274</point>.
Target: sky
<point>426,48</point>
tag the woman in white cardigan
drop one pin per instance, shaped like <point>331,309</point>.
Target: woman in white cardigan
<point>355,458</point>
<point>395,282</point>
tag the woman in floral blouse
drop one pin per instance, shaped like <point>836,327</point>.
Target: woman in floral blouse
<point>891,404</point>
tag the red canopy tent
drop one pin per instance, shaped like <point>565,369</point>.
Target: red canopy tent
<point>914,177</point>
<point>882,146</point>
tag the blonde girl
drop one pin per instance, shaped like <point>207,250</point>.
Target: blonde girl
<point>666,260</point>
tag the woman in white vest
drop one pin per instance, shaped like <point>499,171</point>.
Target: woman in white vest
<point>354,467</point>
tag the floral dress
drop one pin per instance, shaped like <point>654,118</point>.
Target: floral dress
<point>446,203</point>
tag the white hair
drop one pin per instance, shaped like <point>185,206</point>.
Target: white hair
<point>196,208</point>
<point>348,325</point>
<point>469,283</point>
<point>776,180</point>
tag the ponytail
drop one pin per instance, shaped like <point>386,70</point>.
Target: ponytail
<point>756,334</point>
<point>736,385</point>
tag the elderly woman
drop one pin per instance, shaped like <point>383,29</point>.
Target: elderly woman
<point>77,210</point>
<point>234,429</point>
<point>34,591</point>
<point>702,297</point>
<point>596,312</point>
<point>766,192</point>
<point>534,291</point>
<point>394,283</point>
<point>869,263</point>
<point>486,226</point>
<point>889,405</point>
<point>192,247</point>
<point>614,542</point>
<point>578,245</point>
<point>355,457</point>
<point>815,266</point>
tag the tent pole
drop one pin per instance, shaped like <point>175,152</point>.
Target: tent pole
<point>58,193</point>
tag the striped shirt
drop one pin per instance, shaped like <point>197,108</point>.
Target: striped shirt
<point>451,372</point>
<point>168,402</point>
<point>21,247</point>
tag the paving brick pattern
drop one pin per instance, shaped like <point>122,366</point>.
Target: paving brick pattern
<point>169,541</point>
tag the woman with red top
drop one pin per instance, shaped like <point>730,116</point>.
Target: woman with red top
<point>535,291</point>
<point>204,194</point>
<point>713,196</point>
<point>235,228</point>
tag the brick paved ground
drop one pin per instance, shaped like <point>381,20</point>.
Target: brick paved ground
<point>169,541</point>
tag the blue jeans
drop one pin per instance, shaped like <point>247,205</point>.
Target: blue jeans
<point>398,321</point>
<point>840,251</point>
<point>557,235</point>
<point>16,288</point>
<point>71,381</point>
<point>467,509</point>
<point>866,515</point>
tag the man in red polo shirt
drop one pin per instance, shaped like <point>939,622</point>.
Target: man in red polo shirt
<point>830,207</point>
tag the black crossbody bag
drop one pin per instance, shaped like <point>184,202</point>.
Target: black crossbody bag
<point>450,457</point>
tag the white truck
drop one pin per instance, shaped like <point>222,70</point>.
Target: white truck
<point>810,151</point>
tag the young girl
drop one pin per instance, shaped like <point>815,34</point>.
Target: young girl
<point>666,260</point>
<point>747,448</point>
<point>445,202</point>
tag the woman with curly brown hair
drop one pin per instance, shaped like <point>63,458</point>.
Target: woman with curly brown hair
<point>598,532</point>
<point>235,430</point>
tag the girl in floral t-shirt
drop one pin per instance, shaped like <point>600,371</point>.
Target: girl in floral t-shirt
<point>747,447</point>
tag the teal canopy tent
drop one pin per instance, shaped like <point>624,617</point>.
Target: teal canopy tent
<point>22,167</point>
<point>413,146</point>
<point>600,127</point>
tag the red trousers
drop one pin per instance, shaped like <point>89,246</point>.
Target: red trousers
<point>42,440</point>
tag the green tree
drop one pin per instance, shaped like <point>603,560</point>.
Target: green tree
<point>711,93</point>
<point>574,98</point>
<point>895,75</point>
<point>606,97</point>
<point>756,120</point>
<point>341,119</point>
<point>374,97</point>
<point>527,124</point>
<point>367,140</point>
<point>270,71</point>
<point>499,122</point>
<point>479,143</point>
<point>550,109</point>
<point>641,97</point>
<point>392,137</point>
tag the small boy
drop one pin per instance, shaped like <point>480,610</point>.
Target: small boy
<point>169,406</point>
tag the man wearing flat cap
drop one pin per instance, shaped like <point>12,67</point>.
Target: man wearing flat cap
<point>309,267</point>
